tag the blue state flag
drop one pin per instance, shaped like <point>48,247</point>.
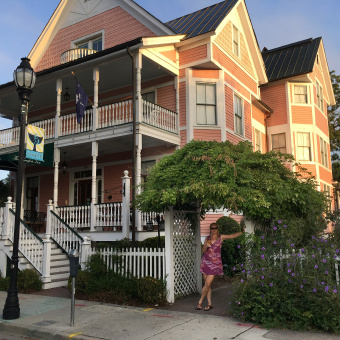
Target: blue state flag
<point>81,102</point>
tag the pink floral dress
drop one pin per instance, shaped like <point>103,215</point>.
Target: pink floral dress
<point>211,263</point>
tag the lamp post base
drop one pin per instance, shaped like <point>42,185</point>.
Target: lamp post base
<point>11,309</point>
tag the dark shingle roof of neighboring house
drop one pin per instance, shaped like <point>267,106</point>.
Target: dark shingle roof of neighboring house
<point>203,21</point>
<point>291,60</point>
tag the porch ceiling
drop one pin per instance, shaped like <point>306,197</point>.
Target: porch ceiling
<point>114,73</point>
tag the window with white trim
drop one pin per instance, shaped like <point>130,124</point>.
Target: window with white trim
<point>319,96</point>
<point>206,104</point>
<point>236,41</point>
<point>150,97</point>
<point>279,142</point>
<point>303,146</point>
<point>324,152</point>
<point>94,43</point>
<point>300,94</point>
<point>257,141</point>
<point>238,109</point>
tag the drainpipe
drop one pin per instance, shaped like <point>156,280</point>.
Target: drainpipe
<point>134,146</point>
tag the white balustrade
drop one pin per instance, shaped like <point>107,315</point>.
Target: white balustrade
<point>75,54</point>
<point>2,220</point>
<point>109,215</point>
<point>9,137</point>
<point>70,126</point>
<point>30,244</point>
<point>115,114</point>
<point>150,217</point>
<point>47,125</point>
<point>160,117</point>
<point>65,236</point>
<point>77,217</point>
<point>138,262</point>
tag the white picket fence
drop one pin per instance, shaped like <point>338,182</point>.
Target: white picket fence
<point>138,262</point>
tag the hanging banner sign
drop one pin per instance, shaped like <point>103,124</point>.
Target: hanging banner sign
<point>35,143</point>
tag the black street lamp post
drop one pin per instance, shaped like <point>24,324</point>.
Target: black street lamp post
<point>24,78</point>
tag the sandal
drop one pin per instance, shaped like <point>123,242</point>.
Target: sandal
<point>207,308</point>
<point>199,306</point>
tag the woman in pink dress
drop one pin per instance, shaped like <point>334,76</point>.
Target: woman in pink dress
<point>211,264</point>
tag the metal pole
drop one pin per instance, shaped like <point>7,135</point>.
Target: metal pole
<point>11,309</point>
<point>73,300</point>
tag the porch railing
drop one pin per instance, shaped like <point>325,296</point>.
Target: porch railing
<point>109,215</point>
<point>75,54</point>
<point>137,262</point>
<point>77,216</point>
<point>31,246</point>
<point>64,235</point>
<point>107,116</point>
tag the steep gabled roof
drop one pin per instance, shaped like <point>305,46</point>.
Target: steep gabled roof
<point>203,21</point>
<point>291,60</point>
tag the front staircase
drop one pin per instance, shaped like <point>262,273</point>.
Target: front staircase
<point>46,253</point>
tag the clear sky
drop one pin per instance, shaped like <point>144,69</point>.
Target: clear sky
<point>276,23</point>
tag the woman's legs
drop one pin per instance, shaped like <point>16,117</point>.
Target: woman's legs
<point>206,291</point>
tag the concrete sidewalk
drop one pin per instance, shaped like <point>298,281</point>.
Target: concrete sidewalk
<point>45,317</point>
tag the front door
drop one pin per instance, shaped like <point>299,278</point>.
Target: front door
<point>84,189</point>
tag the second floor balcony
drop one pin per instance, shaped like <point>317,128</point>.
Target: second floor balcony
<point>108,116</point>
<point>75,53</point>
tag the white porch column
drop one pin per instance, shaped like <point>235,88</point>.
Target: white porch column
<point>177,102</point>
<point>95,98</point>
<point>6,227</point>
<point>126,204</point>
<point>169,250</point>
<point>85,251</point>
<point>94,184</point>
<point>46,275</point>
<point>138,165</point>
<point>139,106</point>
<point>59,89</point>
<point>3,263</point>
<point>56,176</point>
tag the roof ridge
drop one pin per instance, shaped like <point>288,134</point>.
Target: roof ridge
<point>202,9</point>
<point>302,42</point>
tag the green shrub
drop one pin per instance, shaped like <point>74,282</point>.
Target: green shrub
<point>230,251</point>
<point>284,286</point>
<point>29,281</point>
<point>149,243</point>
<point>151,290</point>
<point>4,284</point>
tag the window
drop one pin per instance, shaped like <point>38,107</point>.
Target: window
<point>238,115</point>
<point>91,44</point>
<point>324,152</point>
<point>300,94</point>
<point>257,142</point>
<point>303,146</point>
<point>32,189</point>
<point>236,38</point>
<point>279,142</point>
<point>319,96</point>
<point>149,96</point>
<point>206,104</point>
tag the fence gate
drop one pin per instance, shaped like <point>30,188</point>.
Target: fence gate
<point>183,253</point>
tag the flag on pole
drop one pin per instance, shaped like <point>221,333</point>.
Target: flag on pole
<point>81,101</point>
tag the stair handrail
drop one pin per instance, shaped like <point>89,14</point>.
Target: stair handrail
<point>66,237</point>
<point>34,255</point>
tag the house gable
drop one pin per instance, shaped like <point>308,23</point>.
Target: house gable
<point>119,20</point>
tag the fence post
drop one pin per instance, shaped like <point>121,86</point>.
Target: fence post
<point>169,259</point>
<point>198,252</point>
<point>6,229</point>
<point>126,204</point>
<point>85,251</point>
<point>46,275</point>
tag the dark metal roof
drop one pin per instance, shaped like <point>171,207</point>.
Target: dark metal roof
<point>291,60</point>
<point>203,21</point>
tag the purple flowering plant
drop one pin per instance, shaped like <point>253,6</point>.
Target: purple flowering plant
<point>294,279</point>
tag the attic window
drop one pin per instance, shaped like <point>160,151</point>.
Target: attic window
<point>92,44</point>
<point>236,39</point>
